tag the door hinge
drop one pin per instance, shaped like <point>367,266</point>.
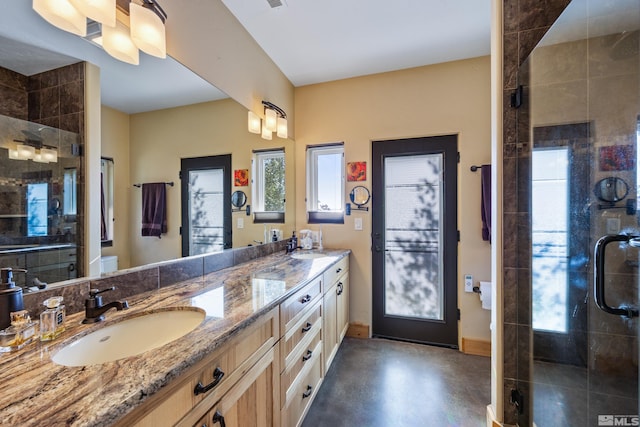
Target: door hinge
<point>458,157</point>
<point>458,235</point>
<point>516,97</point>
<point>458,314</point>
<point>517,400</point>
<point>180,175</point>
<point>180,231</point>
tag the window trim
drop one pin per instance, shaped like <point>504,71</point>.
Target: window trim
<point>315,216</point>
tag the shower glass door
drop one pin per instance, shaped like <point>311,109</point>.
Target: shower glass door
<point>578,129</point>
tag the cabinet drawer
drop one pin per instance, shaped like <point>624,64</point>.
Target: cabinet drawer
<point>299,363</point>
<point>234,359</point>
<point>335,271</point>
<point>301,394</point>
<point>300,334</point>
<point>295,307</point>
<point>49,257</point>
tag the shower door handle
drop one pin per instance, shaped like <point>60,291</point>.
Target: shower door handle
<point>598,271</point>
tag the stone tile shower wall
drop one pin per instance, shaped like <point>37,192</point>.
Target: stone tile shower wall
<point>53,98</point>
<point>525,23</point>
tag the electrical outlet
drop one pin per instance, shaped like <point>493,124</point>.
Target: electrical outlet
<point>358,224</point>
<point>468,283</point>
<point>240,222</point>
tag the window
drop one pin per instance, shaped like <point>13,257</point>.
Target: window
<point>325,184</point>
<point>268,186</point>
<point>37,197</point>
<point>70,194</point>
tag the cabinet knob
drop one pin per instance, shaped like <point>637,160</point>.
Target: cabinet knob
<point>338,270</point>
<point>340,288</point>
<point>307,356</point>
<point>305,299</point>
<point>307,327</point>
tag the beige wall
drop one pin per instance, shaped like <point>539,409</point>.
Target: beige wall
<point>159,139</point>
<point>235,63</point>
<point>450,98</point>
<point>115,144</point>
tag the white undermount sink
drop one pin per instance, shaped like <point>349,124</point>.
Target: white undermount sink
<point>307,255</point>
<point>130,337</point>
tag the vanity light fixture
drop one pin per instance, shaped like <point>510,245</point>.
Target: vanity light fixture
<point>38,153</point>
<point>275,121</point>
<point>146,30</point>
<point>254,124</point>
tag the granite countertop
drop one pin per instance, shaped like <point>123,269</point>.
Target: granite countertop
<point>36,391</point>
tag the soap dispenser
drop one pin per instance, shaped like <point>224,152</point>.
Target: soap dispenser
<point>10,297</point>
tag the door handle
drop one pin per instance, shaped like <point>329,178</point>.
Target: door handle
<point>598,271</point>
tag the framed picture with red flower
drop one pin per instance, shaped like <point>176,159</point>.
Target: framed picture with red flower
<point>617,158</point>
<point>356,171</point>
<point>241,177</point>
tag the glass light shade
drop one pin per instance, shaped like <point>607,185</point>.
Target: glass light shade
<point>13,154</point>
<point>38,158</point>
<point>103,11</point>
<point>270,119</point>
<point>147,30</point>
<point>63,15</point>
<point>49,155</point>
<point>254,123</point>
<point>283,129</point>
<point>26,151</point>
<point>266,133</point>
<point>117,42</point>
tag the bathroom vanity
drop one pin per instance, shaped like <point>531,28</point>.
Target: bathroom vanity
<point>271,330</point>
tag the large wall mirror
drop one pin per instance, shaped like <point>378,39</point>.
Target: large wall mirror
<point>145,137</point>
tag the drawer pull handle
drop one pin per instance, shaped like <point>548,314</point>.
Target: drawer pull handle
<point>307,356</point>
<point>218,418</point>
<point>339,270</point>
<point>305,299</point>
<point>307,327</point>
<point>217,377</point>
<point>340,288</point>
<point>308,392</point>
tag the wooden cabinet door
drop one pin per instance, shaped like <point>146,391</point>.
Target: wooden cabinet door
<point>342,295</point>
<point>253,401</point>
<point>329,327</point>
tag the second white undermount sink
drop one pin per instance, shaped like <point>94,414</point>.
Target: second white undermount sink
<point>130,337</point>
<point>307,255</point>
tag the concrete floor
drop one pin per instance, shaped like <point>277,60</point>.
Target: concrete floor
<point>378,382</point>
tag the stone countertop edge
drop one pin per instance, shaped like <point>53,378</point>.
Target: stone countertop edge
<point>36,391</point>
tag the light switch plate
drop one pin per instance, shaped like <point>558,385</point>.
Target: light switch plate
<point>358,224</point>
<point>240,222</point>
<point>468,283</point>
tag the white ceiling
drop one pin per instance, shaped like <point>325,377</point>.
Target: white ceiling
<point>311,41</point>
<point>316,41</point>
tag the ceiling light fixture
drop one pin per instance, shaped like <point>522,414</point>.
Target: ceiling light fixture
<point>275,121</point>
<point>146,29</point>
<point>31,150</point>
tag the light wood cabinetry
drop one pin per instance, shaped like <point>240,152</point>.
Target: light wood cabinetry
<point>248,358</point>
<point>301,351</point>
<point>269,373</point>
<point>335,309</point>
<point>251,402</point>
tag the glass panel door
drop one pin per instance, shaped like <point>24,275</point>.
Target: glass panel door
<point>206,211</point>
<point>413,249</point>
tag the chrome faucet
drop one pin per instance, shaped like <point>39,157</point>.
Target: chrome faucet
<point>93,308</point>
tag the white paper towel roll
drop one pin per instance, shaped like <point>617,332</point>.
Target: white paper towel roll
<point>485,295</point>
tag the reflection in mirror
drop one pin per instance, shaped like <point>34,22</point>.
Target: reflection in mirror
<point>140,131</point>
<point>360,196</point>
<point>611,189</point>
<point>106,201</point>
